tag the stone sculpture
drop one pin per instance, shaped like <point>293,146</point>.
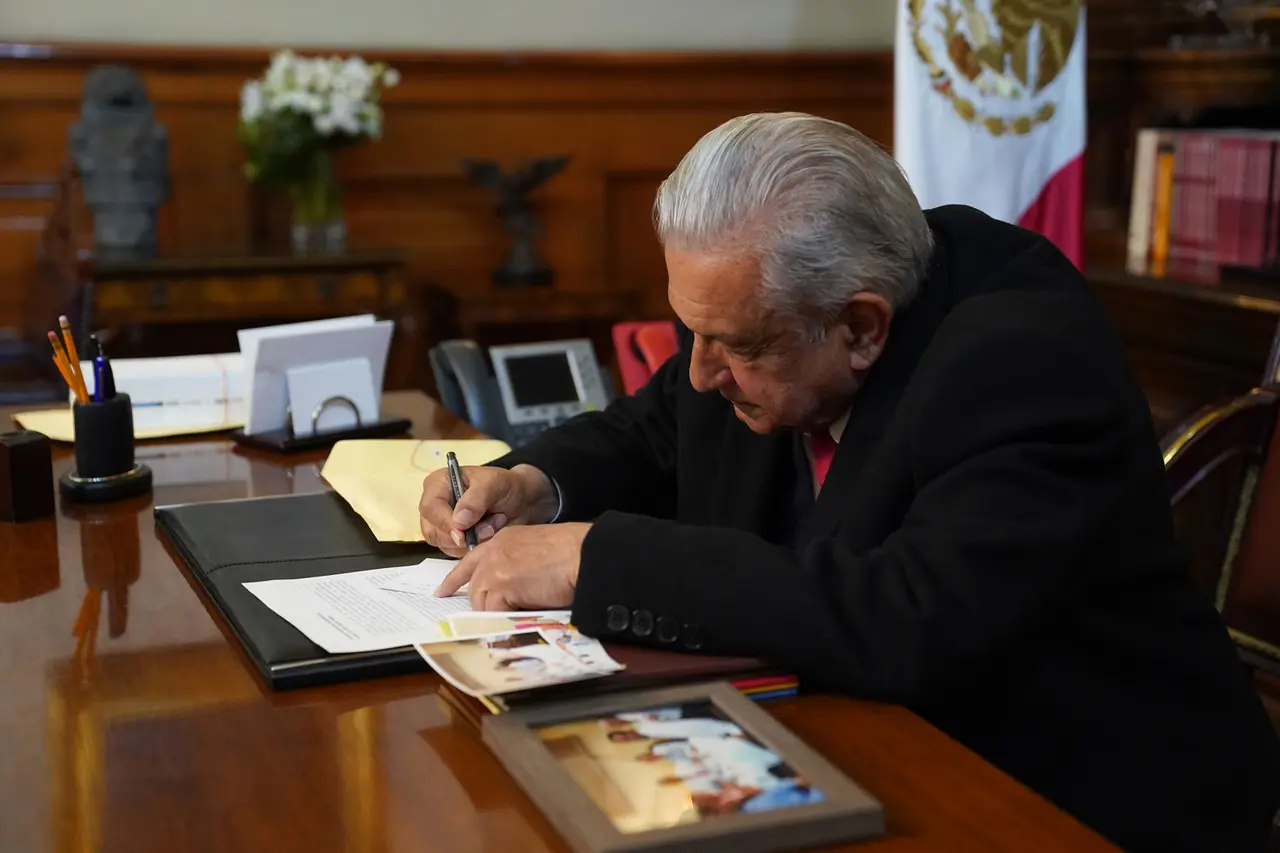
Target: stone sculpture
<point>122,156</point>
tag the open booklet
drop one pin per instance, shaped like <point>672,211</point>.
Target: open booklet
<point>479,653</point>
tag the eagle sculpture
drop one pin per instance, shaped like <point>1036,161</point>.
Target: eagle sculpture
<point>523,265</point>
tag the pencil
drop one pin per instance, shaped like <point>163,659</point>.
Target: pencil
<point>60,359</point>
<point>83,616</point>
<point>95,614</point>
<point>73,357</point>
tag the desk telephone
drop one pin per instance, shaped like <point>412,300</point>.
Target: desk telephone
<point>518,391</point>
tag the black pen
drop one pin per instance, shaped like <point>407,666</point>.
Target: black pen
<point>455,480</point>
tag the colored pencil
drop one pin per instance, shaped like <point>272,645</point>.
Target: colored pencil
<point>60,359</point>
<point>61,364</point>
<point>73,357</point>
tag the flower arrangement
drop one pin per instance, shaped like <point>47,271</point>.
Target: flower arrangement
<point>298,114</point>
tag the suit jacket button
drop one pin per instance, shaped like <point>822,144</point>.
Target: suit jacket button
<point>668,629</point>
<point>694,639</point>
<point>616,618</point>
<point>642,623</point>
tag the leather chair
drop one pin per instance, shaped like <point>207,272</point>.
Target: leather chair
<point>642,347</point>
<point>1236,439</point>
<point>1247,586</point>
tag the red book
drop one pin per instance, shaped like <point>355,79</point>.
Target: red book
<point>1232,151</point>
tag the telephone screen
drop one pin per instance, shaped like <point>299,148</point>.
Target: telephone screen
<point>542,380</point>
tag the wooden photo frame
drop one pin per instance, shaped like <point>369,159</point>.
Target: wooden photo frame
<point>612,773</point>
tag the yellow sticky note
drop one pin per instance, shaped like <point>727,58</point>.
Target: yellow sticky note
<point>381,479</point>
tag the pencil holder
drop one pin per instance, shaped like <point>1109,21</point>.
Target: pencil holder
<point>105,466</point>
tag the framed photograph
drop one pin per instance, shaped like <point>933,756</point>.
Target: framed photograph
<point>698,767</point>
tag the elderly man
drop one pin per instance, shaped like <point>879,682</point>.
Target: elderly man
<point>900,453</point>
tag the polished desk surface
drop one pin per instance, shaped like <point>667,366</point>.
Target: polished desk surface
<point>158,736</point>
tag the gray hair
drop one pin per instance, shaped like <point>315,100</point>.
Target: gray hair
<point>826,210</point>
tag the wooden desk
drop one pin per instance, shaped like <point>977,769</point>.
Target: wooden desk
<point>164,740</point>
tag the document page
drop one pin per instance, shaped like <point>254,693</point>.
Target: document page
<point>367,611</point>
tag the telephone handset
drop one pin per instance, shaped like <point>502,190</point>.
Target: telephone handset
<point>521,390</point>
<point>467,387</point>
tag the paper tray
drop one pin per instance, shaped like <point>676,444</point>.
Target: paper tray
<point>285,441</point>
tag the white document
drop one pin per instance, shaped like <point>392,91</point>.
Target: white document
<point>356,612</point>
<point>269,393</point>
<point>178,392</point>
<point>312,387</point>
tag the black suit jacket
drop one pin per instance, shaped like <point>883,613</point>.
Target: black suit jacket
<point>993,548</point>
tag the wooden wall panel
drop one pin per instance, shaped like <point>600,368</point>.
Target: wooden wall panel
<point>637,263</point>
<point>625,118</point>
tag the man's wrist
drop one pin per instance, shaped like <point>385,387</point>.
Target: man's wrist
<point>543,495</point>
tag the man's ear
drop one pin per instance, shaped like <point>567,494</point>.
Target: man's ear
<point>864,328</point>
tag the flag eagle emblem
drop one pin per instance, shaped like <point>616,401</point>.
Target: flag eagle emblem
<point>996,65</point>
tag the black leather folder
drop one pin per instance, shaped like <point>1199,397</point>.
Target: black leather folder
<point>225,544</point>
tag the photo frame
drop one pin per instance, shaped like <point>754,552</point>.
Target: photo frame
<point>698,767</point>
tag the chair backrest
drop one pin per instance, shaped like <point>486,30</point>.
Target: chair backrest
<point>641,348</point>
<point>1212,437</point>
<point>657,343</point>
<point>1247,587</point>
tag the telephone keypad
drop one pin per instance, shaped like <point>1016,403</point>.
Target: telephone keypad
<point>522,434</point>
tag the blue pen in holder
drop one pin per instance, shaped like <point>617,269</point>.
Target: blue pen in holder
<point>105,466</point>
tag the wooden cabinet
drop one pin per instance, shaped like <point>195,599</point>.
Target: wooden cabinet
<point>1191,344</point>
<point>253,290</point>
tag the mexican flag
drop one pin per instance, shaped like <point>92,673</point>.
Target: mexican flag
<point>989,110</point>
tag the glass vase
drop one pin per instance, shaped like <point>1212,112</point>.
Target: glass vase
<point>318,227</point>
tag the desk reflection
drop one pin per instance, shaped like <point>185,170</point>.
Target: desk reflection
<point>138,737</point>
<point>111,561</point>
<point>29,565</point>
<point>508,818</point>
<point>207,470</point>
<point>148,736</point>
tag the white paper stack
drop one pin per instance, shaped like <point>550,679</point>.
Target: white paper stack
<point>181,392</point>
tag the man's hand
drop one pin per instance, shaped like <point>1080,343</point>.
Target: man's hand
<point>493,498</point>
<point>522,568</point>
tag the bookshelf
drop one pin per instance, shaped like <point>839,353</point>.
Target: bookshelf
<point>1162,87</point>
<point>1192,339</point>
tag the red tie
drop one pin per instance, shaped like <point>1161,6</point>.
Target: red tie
<point>824,450</point>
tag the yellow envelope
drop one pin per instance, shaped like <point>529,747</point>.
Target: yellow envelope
<point>58,425</point>
<point>382,478</point>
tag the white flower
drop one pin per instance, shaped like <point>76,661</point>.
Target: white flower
<point>303,74</point>
<point>356,73</point>
<point>342,111</point>
<point>299,101</point>
<point>282,66</point>
<point>251,105</point>
<point>339,95</point>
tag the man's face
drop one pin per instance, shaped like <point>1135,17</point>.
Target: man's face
<point>755,360</point>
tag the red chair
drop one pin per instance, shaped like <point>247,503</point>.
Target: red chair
<point>642,348</point>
